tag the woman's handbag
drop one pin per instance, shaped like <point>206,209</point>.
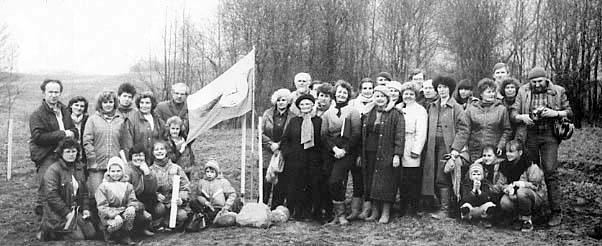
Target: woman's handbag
<point>276,166</point>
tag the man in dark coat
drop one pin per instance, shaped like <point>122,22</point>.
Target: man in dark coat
<point>48,124</point>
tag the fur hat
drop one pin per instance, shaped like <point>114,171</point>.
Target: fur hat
<point>385,75</point>
<point>384,90</point>
<point>537,72</point>
<point>395,85</point>
<point>447,81</point>
<point>303,97</point>
<point>286,93</point>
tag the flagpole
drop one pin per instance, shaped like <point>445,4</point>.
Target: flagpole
<point>243,154</point>
<point>260,157</point>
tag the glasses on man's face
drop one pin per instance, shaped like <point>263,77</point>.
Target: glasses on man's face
<point>179,94</point>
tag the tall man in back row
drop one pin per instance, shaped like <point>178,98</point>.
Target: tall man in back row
<point>176,106</point>
<point>538,104</point>
<point>49,124</point>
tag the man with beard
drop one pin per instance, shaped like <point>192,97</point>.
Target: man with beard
<point>538,104</point>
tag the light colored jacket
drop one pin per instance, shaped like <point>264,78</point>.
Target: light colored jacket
<point>103,138</point>
<point>416,128</point>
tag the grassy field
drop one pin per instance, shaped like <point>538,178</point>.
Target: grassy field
<point>581,185</point>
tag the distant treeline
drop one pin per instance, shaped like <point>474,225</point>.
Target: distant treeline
<point>352,39</point>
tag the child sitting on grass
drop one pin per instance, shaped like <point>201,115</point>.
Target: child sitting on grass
<point>117,204</point>
<point>164,170</point>
<point>214,194</point>
<point>476,196</point>
<point>525,196</point>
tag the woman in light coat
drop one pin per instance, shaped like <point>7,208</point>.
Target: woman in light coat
<point>416,121</point>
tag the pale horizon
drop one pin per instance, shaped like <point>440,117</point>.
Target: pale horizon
<point>92,37</point>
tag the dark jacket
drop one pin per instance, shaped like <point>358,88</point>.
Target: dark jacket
<point>472,198</point>
<point>291,147</point>
<point>45,131</point>
<point>557,100</point>
<point>145,186</point>
<point>267,133</point>
<point>450,116</point>
<point>391,141</point>
<point>480,126</point>
<point>139,130</point>
<point>167,109</point>
<point>58,189</point>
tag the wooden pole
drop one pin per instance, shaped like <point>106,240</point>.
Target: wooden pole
<point>260,162</point>
<point>9,162</point>
<point>243,154</point>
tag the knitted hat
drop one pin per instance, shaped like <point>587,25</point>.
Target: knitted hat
<point>303,97</point>
<point>395,85</point>
<point>384,90</point>
<point>537,72</point>
<point>213,164</point>
<point>442,80</point>
<point>476,167</point>
<point>115,161</point>
<point>385,75</point>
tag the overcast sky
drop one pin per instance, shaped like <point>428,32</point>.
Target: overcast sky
<point>91,37</point>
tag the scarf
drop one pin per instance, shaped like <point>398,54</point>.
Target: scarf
<point>161,163</point>
<point>363,100</point>
<point>307,132</point>
<point>338,106</point>
<point>77,119</point>
<point>125,109</point>
<point>486,104</point>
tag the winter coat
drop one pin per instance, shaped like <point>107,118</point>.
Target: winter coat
<point>167,109</point>
<point>103,139</point>
<point>139,130</point>
<point>219,191</point>
<point>145,186</point>
<point>361,103</point>
<point>297,160</point>
<point>81,128</point>
<point>391,141</point>
<point>556,97</point>
<point>332,125</point>
<point>416,123</point>
<point>184,159</point>
<point>59,193</point>
<point>468,196</point>
<point>481,126</point>
<point>450,116</point>
<point>267,133</point>
<point>114,196</point>
<point>164,175</point>
<point>45,131</point>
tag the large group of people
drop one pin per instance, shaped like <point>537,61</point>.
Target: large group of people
<point>417,147</point>
<point>413,148</point>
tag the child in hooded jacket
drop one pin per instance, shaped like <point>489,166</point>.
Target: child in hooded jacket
<point>214,193</point>
<point>117,204</point>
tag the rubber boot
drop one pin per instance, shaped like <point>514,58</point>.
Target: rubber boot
<point>384,217</point>
<point>356,206</point>
<point>444,199</point>
<point>366,209</point>
<point>374,215</point>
